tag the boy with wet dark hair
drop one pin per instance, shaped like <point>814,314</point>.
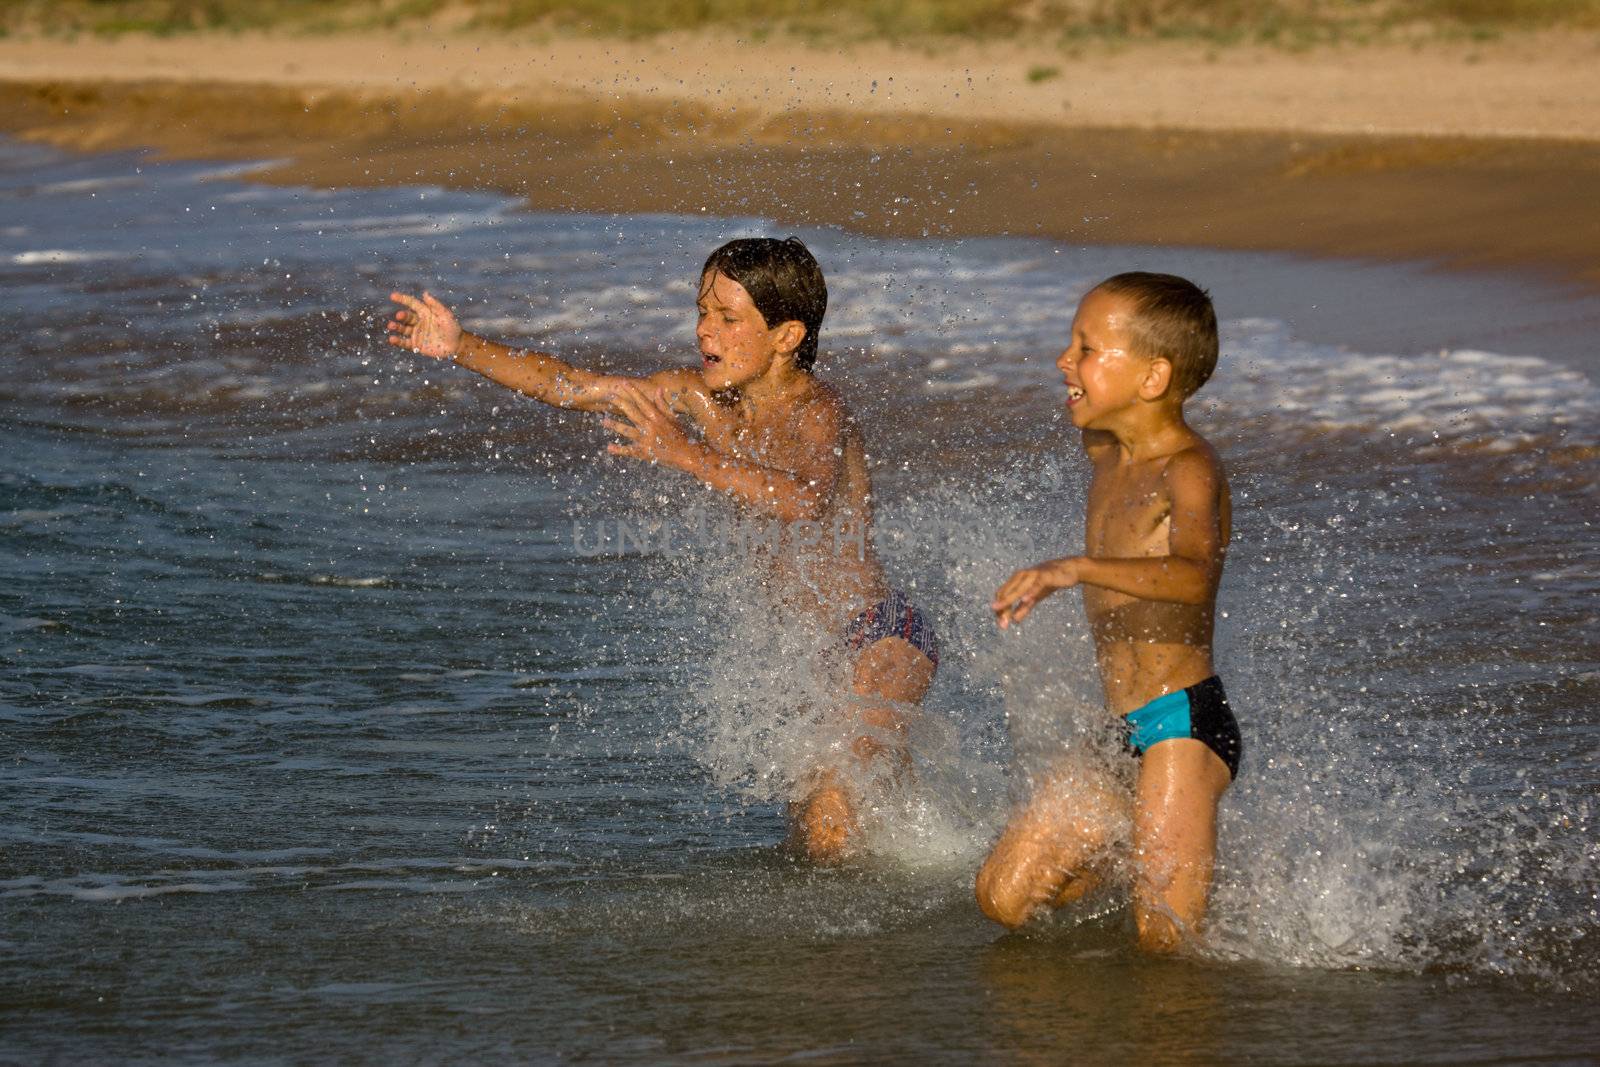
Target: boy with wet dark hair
<point>784,446</point>
<point>784,282</point>
<point>1157,529</point>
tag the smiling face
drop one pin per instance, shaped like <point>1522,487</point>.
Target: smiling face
<point>736,344</point>
<point>1103,371</point>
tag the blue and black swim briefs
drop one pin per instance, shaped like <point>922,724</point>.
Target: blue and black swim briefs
<point>1200,711</point>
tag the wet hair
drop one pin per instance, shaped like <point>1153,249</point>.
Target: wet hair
<point>1173,319</point>
<point>784,282</point>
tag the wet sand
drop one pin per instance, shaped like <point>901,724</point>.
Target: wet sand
<point>1470,156</point>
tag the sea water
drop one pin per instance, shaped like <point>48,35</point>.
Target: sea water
<point>353,707</point>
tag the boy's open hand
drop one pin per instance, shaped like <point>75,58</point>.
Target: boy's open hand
<point>424,326</point>
<point>652,431</point>
<point>1024,589</point>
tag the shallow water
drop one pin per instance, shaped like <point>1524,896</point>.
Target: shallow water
<point>332,727</point>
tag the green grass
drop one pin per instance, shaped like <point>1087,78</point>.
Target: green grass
<point>159,17</point>
<point>1292,23</point>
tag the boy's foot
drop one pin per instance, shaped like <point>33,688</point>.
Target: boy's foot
<point>825,823</point>
<point>1078,886</point>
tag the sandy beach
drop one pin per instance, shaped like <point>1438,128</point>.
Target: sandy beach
<point>358,709</point>
<point>1468,154</point>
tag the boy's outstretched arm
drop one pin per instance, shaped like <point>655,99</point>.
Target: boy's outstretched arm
<point>426,326</point>
<point>651,432</point>
<point>1197,541</point>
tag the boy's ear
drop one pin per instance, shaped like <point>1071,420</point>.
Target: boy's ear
<point>787,337</point>
<point>1157,380</point>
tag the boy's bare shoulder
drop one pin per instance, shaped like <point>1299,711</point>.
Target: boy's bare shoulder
<point>824,404</point>
<point>1194,477</point>
<point>818,424</point>
<point>818,416</point>
<point>1199,461</point>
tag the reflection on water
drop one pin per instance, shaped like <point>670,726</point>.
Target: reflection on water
<point>321,734</point>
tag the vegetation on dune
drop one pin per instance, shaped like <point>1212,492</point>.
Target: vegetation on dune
<point>1292,22</point>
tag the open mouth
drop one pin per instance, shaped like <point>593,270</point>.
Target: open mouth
<point>707,358</point>
<point>1074,394</point>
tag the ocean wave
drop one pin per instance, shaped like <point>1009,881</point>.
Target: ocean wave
<point>87,185</point>
<point>981,380</point>
<point>14,624</point>
<point>55,257</point>
<point>229,171</point>
<point>32,516</point>
<point>339,581</point>
<point>414,224</point>
<point>425,875</point>
<point>1451,393</point>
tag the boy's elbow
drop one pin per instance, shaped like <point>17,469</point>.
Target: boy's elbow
<point>803,503</point>
<point>1201,593</point>
<point>805,508</point>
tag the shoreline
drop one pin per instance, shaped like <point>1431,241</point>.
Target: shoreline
<point>1535,86</point>
<point>909,159</point>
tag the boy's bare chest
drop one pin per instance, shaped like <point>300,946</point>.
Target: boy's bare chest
<point>755,440</point>
<point>1128,512</point>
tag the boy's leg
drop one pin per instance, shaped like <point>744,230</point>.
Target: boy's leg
<point>1175,839</point>
<point>887,674</point>
<point>1051,850</point>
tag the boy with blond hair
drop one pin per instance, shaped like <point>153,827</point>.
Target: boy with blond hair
<point>1156,532</point>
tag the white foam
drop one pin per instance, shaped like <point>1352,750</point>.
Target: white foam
<point>894,301</point>
<point>416,224</point>
<point>981,380</point>
<point>496,324</point>
<point>27,516</point>
<point>335,580</point>
<point>54,257</point>
<point>15,624</point>
<point>229,171</point>
<point>347,582</point>
<point>87,185</point>
<point>1453,394</point>
<point>114,893</point>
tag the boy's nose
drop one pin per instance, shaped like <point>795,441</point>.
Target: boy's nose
<point>1064,360</point>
